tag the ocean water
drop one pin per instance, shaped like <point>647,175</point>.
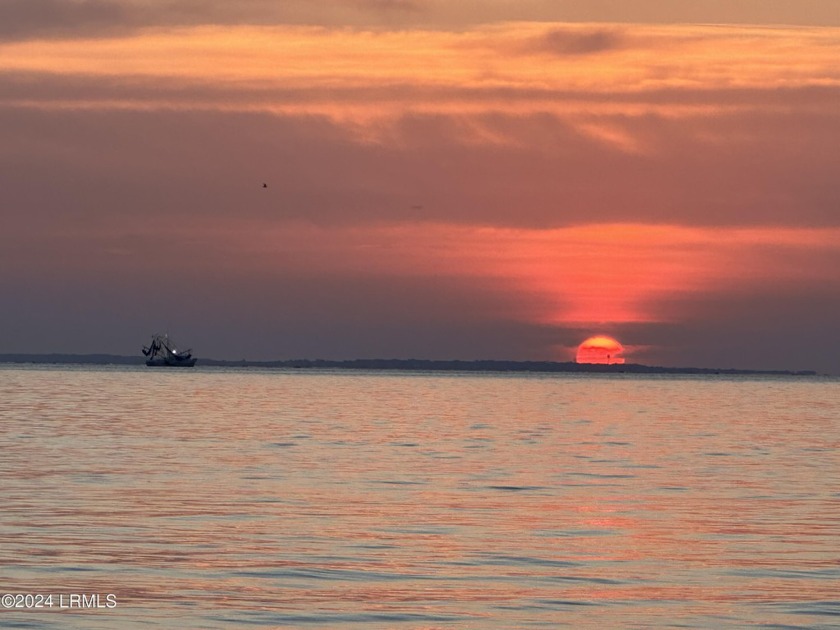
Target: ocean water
<point>216,498</point>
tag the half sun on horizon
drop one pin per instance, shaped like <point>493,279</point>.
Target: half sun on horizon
<point>600,349</point>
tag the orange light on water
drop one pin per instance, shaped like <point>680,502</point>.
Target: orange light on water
<point>600,349</point>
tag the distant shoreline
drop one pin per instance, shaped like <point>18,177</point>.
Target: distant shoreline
<point>407,365</point>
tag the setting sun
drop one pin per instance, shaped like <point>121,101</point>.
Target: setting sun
<point>600,349</point>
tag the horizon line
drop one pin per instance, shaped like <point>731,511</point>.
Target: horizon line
<point>493,365</point>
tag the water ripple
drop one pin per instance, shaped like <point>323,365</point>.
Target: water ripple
<point>288,498</point>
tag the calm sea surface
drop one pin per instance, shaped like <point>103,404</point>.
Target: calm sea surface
<point>214,498</point>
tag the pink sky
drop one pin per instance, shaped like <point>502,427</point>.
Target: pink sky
<point>442,182</point>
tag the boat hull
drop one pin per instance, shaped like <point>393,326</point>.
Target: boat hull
<point>165,363</point>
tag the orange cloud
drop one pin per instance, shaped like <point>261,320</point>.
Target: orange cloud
<point>523,67</point>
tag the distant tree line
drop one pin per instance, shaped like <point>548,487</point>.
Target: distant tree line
<point>419,365</point>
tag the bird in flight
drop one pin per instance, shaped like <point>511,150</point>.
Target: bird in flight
<point>265,185</point>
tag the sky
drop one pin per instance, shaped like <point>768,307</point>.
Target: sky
<point>490,179</point>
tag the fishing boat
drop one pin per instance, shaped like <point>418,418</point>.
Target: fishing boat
<point>162,352</point>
